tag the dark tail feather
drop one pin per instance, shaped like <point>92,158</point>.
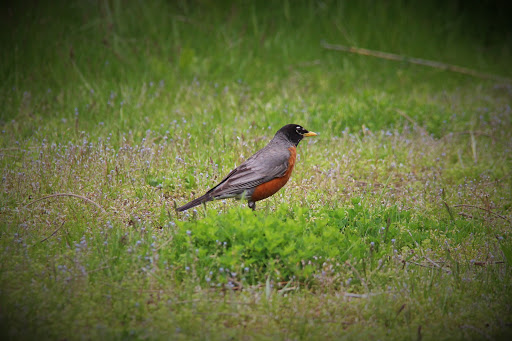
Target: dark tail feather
<point>195,202</point>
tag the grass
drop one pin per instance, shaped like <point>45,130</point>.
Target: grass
<point>394,225</point>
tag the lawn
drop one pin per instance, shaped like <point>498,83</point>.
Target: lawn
<point>395,225</point>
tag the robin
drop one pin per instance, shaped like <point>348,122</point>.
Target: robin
<point>261,175</point>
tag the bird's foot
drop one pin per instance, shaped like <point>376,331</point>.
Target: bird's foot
<point>252,205</point>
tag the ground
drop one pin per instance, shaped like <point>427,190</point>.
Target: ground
<point>394,225</point>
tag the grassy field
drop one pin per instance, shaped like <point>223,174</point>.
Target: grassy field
<point>395,225</point>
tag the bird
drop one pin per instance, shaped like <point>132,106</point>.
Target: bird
<point>261,175</point>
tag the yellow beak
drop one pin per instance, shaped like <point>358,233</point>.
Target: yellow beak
<point>310,134</point>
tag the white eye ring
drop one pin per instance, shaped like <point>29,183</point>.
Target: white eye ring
<point>298,127</point>
<point>299,132</point>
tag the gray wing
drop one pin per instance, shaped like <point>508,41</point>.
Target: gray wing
<point>265,165</point>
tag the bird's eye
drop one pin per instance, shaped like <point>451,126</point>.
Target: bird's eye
<point>298,132</point>
<point>298,128</point>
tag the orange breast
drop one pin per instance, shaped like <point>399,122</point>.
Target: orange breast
<point>268,188</point>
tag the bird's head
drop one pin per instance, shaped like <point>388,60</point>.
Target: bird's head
<point>295,133</point>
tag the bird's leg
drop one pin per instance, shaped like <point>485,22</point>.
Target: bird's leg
<point>252,205</point>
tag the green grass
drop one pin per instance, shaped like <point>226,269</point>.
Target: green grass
<point>396,221</point>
